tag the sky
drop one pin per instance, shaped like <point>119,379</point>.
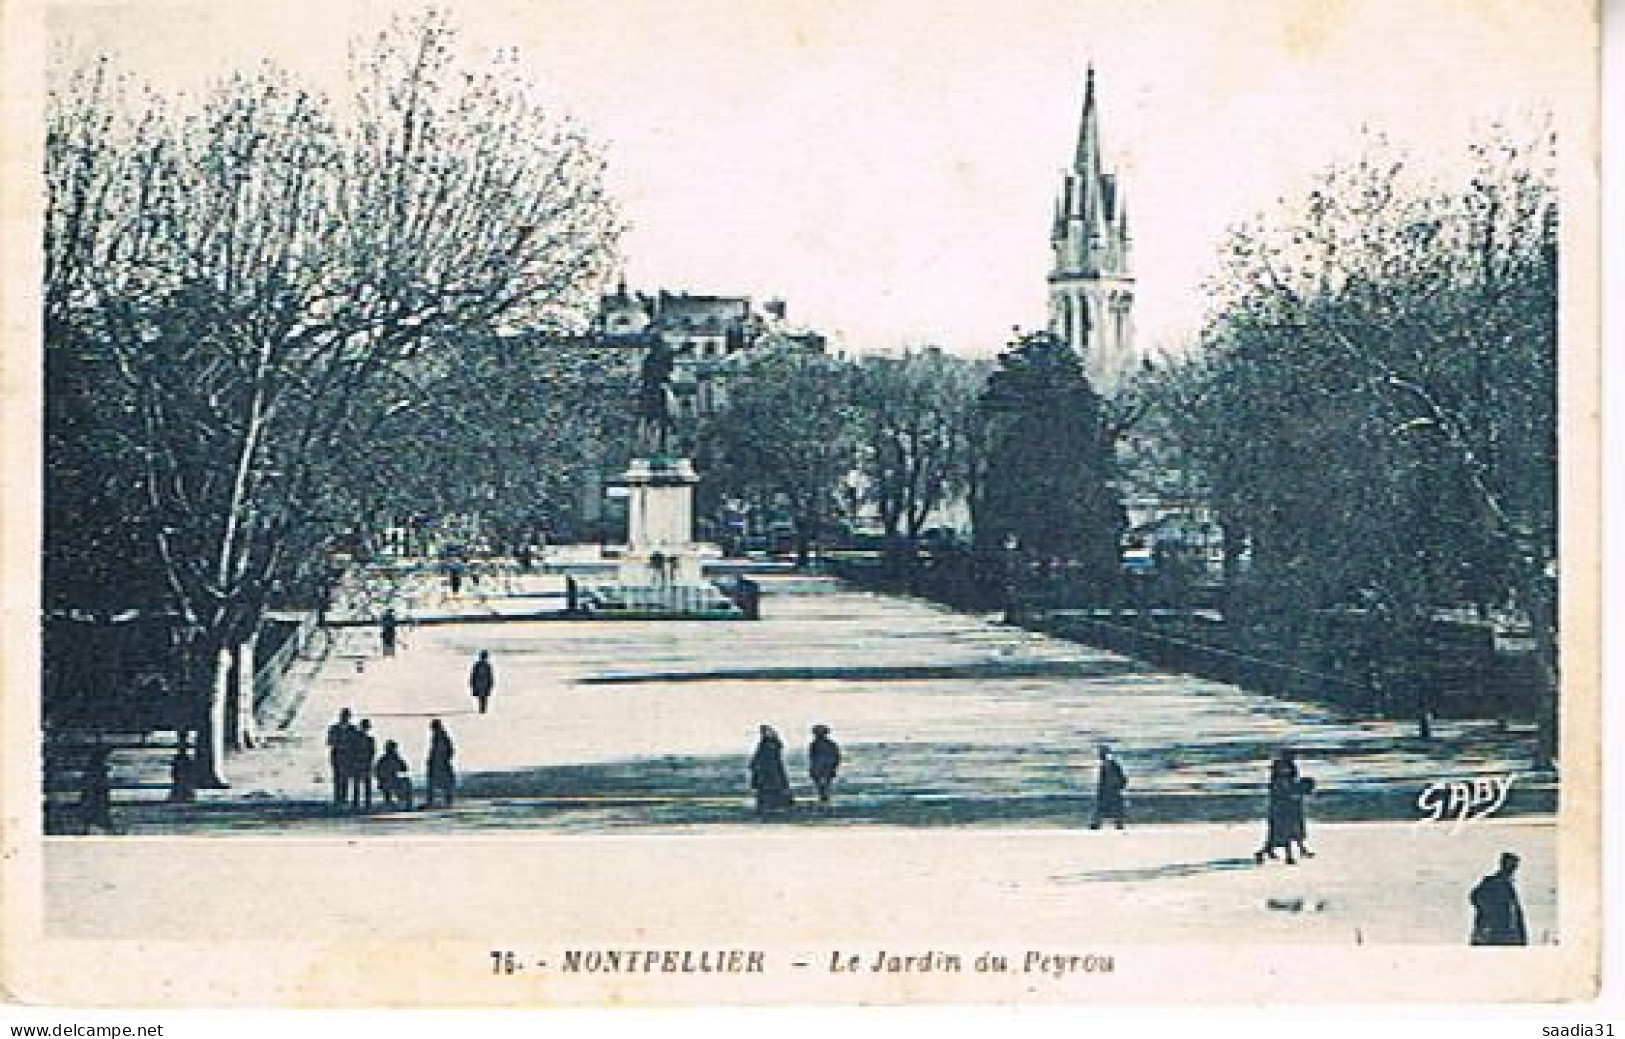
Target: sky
<point>889,167</point>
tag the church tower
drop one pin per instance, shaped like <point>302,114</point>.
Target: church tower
<point>1091,281</point>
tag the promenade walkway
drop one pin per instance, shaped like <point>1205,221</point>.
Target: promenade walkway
<point>959,815</point>
<point>943,718</point>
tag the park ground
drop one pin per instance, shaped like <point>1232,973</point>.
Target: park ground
<point>966,784</point>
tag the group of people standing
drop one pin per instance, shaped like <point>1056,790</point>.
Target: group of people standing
<point>357,766</point>
<point>770,780</point>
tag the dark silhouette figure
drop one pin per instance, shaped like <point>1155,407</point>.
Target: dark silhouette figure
<point>1278,822</point>
<point>96,792</point>
<point>524,558</point>
<point>1497,913</point>
<point>454,577</point>
<point>394,782</point>
<point>387,632</point>
<point>482,679</point>
<point>1284,819</point>
<point>442,778</point>
<point>767,775</point>
<point>1109,785</point>
<point>749,597</point>
<point>823,761</point>
<point>182,776</point>
<point>339,735</point>
<point>362,749</point>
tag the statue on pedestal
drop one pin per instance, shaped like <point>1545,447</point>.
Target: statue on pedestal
<point>660,573</point>
<point>656,418</point>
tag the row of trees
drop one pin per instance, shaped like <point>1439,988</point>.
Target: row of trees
<point>247,292</point>
<point>1019,447</point>
<point>814,438</point>
<point>1372,410</point>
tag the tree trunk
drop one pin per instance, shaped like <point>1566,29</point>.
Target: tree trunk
<point>243,732</point>
<point>208,670</point>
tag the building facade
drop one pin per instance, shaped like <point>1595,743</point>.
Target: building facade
<point>1091,279</point>
<point>708,336</point>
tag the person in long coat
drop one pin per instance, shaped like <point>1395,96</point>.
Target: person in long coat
<point>1284,816</point>
<point>823,761</point>
<point>1109,785</point>
<point>482,679</point>
<point>363,748</point>
<point>1497,913</point>
<point>442,778</point>
<point>339,737</point>
<point>767,775</point>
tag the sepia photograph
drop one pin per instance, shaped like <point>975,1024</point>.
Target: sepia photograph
<point>564,503</point>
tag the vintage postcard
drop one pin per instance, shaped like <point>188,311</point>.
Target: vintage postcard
<point>571,503</point>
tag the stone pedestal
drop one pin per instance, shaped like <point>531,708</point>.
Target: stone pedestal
<point>660,545</point>
<point>660,574</point>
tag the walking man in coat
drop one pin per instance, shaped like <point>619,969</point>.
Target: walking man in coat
<point>1109,784</point>
<point>482,679</point>
<point>1497,913</point>
<point>823,760</point>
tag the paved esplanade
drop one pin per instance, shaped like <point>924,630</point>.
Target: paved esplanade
<point>645,728</point>
<point>942,717</point>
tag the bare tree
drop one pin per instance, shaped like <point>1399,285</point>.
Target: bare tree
<point>253,261</point>
<point>1416,323</point>
<point>913,418</point>
<point>785,439</point>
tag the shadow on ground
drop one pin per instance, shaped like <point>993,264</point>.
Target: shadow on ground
<point>1168,871</point>
<point>915,784</point>
<point>978,671</point>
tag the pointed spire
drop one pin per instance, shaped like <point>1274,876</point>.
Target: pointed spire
<point>1087,160</point>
